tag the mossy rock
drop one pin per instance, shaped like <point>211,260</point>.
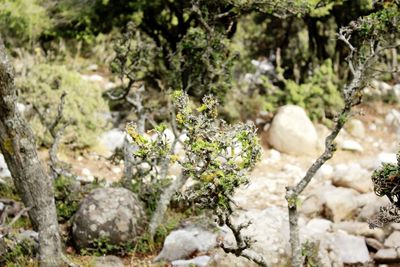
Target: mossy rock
<point>43,86</point>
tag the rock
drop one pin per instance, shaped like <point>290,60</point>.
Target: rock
<point>325,172</point>
<point>22,108</point>
<point>387,158</point>
<point>396,90</point>
<point>108,261</point>
<point>359,229</point>
<point>355,128</point>
<point>312,205</point>
<point>317,226</point>
<point>326,201</point>
<point>387,255</point>
<point>86,176</point>
<point>339,203</point>
<point>292,132</point>
<point>92,77</point>
<point>393,240</point>
<point>352,176</point>
<point>114,214</point>
<point>222,259</point>
<point>318,232</point>
<point>113,139</point>
<point>382,86</point>
<point>322,132</point>
<point>264,66</point>
<point>4,172</point>
<point>266,127</point>
<point>370,205</point>
<point>351,145</point>
<point>352,249</point>
<point>393,119</point>
<point>182,243</point>
<point>201,261</point>
<point>373,243</point>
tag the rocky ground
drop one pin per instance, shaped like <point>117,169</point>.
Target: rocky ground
<point>335,208</point>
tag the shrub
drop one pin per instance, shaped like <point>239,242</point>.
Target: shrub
<point>23,20</point>
<point>43,86</point>
<point>319,94</point>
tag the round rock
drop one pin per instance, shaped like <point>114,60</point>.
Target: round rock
<point>113,214</point>
<point>292,132</point>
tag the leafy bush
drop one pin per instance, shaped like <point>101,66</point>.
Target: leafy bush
<point>23,20</point>
<point>67,197</point>
<point>43,86</point>
<point>319,95</point>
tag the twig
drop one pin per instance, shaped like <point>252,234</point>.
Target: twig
<point>19,214</point>
<point>59,116</point>
<point>57,135</point>
<point>243,243</point>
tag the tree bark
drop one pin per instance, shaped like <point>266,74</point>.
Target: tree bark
<point>17,143</point>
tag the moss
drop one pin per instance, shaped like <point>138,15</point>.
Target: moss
<point>43,87</point>
<point>8,146</point>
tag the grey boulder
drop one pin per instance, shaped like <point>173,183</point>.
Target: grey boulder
<point>112,214</point>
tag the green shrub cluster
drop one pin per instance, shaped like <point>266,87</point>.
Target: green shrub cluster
<point>43,86</point>
<point>23,20</point>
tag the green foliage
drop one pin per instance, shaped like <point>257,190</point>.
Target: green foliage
<point>385,179</point>
<point>19,254</point>
<point>145,244</point>
<point>319,94</point>
<point>23,20</point>
<point>202,64</point>
<point>43,86</point>
<point>8,190</point>
<point>217,156</point>
<point>67,197</point>
<point>102,246</point>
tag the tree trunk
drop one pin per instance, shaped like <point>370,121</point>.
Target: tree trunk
<point>17,143</point>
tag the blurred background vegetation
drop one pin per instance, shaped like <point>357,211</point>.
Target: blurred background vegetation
<point>254,55</point>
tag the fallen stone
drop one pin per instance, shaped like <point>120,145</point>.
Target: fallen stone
<point>387,158</point>
<point>86,176</point>
<point>113,214</point>
<point>393,240</point>
<point>108,261</point>
<point>182,243</point>
<point>370,205</point>
<point>4,172</point>
<point>387,255</point>
<point>359,229</point>
<point>317,226</point>
<point>291,127</point>
<point>352,176</point>
<point>222,259</point>
<point>113,139</point>
<point>355,128</point>
<point>352,249</point>
<point>351,145</point>
<point>373,243</point>
<point>339,203</point>
<point>201,261</point>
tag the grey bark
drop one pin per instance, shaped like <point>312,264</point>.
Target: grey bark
<point>17,144</point>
